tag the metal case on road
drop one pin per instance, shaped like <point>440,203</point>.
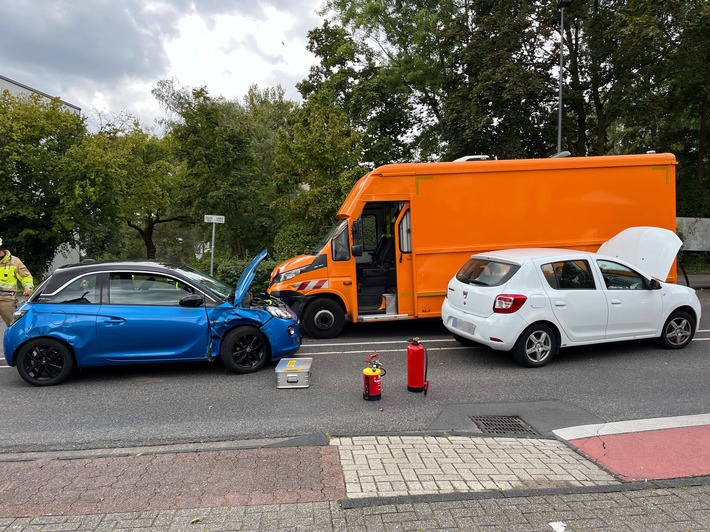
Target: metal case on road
<point>293,373</point>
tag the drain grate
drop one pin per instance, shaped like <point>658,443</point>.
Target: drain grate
<point>502,425</point>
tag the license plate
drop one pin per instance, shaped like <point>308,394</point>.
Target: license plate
<point>464,326</point>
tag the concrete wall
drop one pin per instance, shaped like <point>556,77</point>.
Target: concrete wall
<point>695,233</point>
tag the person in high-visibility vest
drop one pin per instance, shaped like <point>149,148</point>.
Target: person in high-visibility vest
<point>12,271</point>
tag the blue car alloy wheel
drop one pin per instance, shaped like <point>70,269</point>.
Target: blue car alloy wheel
<point>44,362</point>
<point>244,350</point>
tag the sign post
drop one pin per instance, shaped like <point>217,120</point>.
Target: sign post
<point>213,219</point>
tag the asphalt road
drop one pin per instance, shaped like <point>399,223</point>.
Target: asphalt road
<point>146,405</point>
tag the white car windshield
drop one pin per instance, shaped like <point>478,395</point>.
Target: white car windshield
<point>486,272</point>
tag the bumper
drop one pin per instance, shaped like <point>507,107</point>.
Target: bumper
<point>497,331</point>
<point>295,300</point>
<point>284,336</point>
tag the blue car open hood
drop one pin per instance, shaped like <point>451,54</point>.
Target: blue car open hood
<point>247,277</point>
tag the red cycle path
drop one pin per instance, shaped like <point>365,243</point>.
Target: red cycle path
<point>651,455</point>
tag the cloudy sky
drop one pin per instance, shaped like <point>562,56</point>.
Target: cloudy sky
<point>105,56</point>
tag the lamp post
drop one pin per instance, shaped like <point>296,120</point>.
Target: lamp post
<point>561,4</point>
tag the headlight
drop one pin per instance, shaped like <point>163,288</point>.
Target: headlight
<point>277,312</point>
<point>280,278</point>
<point>17,315</point>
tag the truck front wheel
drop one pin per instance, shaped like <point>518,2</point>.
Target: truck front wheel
<point>323,318</point>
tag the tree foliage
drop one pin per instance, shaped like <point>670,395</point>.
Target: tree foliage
<point>227,149</point>
<point>318,158</point>
<point>35,137</point>
<point>120,177</point>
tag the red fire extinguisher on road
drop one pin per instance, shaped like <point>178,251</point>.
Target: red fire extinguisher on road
<point>372,378</point>
<point>417,367</point>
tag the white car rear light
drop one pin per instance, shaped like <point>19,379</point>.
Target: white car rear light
<point>508,303</point>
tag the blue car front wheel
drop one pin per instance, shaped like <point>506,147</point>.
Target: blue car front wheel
<point>245,350</point>
<point>44,362</point>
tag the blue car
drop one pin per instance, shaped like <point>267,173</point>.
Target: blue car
<point>105,314</point>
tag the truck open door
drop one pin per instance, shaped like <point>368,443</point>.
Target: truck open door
<point>404,262</point>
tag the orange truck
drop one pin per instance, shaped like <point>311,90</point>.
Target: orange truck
<point>405,229</point>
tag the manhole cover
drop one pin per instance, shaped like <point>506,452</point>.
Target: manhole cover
<point>502,425</point>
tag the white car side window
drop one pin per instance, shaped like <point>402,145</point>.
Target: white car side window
<point>569,275</point>
<point>619,277</point>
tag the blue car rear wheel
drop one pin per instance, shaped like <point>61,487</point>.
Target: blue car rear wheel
<point>44,362</point>
<point>245,350</point>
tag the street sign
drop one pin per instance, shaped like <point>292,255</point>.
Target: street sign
<point>213,219</point>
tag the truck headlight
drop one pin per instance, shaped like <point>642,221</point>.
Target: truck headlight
<point>285,276</point>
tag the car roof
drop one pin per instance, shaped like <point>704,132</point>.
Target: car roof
<point>522,254</point>
<point>70,271</point>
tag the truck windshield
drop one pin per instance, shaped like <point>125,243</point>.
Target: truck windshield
<point>330,234</point>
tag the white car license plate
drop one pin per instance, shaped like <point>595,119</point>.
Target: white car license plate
<point>464,326</point>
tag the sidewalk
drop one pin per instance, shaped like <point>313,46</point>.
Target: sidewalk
<point>394,482</point>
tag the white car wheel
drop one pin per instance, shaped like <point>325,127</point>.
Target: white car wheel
<point>678,330</point>
<point>535,347</point>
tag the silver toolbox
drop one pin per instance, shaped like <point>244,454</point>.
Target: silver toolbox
<point>293,373</point>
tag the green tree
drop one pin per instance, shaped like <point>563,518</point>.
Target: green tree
<point>319,161</point>
<point>227,149</point>
<point>35,136</point>
<point>120,177</point>
<point>375,100</point>
<point>499,97</point>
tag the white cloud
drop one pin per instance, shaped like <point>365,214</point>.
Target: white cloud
<point>106,56</point>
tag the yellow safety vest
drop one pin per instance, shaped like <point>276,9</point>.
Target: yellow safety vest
<point>11,271</point>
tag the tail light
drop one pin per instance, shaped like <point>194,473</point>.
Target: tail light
<point>508,303</point>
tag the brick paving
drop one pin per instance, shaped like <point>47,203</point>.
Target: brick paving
<point>377,483</point>
<point>170,481</point>
<point>664,509</point>
<point>379,466</point>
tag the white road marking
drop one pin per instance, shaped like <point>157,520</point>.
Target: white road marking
<point>625,427</point>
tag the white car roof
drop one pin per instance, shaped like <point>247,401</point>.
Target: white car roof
<point>520,255</point>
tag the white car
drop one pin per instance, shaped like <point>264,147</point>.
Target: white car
<point>534,301</point>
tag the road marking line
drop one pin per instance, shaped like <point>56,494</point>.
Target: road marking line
<point>421,340</point>
<point>386,350</point>
<point>637,425</point>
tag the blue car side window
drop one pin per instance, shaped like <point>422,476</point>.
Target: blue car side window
<point>81,291</point>
<point>146,289</point>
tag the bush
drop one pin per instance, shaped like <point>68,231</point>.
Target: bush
<point>230,271</point>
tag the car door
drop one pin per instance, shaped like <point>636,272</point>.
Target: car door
<point>70,314</point>
<point>578,304</point>
<point>143,320</point>
<point>634,309</point>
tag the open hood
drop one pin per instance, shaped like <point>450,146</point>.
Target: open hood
<point>650,249</point>
<point>247,277</point>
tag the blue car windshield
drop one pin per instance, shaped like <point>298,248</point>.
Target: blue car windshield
<point>204,280</point>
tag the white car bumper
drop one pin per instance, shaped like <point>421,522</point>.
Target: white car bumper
<point>498,331</point>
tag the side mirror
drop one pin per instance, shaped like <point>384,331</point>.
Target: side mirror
<point>192,301</point>
<point>655,285</point>
<point>357,250</point>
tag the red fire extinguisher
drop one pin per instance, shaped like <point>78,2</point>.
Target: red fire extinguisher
<point>417,367</point>
<point>372,378</point>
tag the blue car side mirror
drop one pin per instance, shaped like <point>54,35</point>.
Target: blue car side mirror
<point>192,301</point>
